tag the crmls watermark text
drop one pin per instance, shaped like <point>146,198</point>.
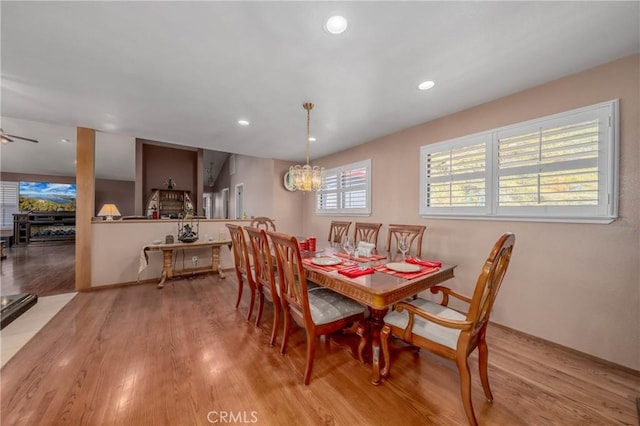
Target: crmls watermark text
<point>232,416</point>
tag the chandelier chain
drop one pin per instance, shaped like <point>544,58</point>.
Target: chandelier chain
<point>308,106</point>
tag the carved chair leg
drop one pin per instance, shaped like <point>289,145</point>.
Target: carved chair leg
<point>260,307</point>
<point>386,355</point>
<point>276,323</point>
<point>311,350</point>
<point>251,303</point>
<point>287,325</point>
<point>483,358</point>
<point>240,285</point>
<point>465,387</point>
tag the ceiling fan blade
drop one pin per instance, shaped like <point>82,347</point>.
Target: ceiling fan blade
<point>24,139</point>
<point>5,139</point>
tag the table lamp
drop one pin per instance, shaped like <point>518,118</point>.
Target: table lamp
<point>109,210</point>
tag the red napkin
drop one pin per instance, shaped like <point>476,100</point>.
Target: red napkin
<point>428,263</point>
<point>355,271</point>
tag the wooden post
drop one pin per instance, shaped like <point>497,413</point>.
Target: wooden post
<point>85,185</point>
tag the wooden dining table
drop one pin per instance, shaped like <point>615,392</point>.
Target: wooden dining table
<point>379,291</point>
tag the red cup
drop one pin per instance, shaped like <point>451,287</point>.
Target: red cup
<point>312,243</point>
<point>304,245</point>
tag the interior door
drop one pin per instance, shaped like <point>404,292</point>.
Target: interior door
<point>207,205</point>
<point>239,200</point>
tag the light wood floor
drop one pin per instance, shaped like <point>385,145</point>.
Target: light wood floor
<point>185,356</point>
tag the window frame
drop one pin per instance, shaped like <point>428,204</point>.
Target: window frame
<point>340,210</point>
<point>606,210</point>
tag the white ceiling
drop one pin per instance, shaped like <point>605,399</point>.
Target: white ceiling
<point>185,72</point>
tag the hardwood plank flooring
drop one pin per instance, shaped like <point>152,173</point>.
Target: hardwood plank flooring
<point>185,356</point>
<point>40,270</point>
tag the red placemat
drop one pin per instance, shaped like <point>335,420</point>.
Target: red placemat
<point>361,259</point>
<point>326,268</point>
<point>406,275</point>
<point>427,263</point>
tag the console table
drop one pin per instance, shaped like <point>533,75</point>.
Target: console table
<point>167,256</point>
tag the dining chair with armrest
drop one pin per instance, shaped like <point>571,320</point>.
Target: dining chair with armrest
<point>263,222</point>
<point>367,232</point>
<point>413,233</point>
<point>319,312</point>
<point>337,231</point>
<point>449,333</point>
<point>242,264</point>
<point>264,277</point>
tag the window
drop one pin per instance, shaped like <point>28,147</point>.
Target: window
<point>8,203</point>
<point>347,190</point>
<point>557,168</point>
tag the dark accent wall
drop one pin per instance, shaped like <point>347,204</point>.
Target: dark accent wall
<point>118,192</point>
<point>160,163</point>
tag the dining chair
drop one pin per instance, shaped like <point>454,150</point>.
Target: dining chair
<point>263,222</point>
<point>449,333</point>
<point>337,231</point>
<point>242,264</point>
<point>413,233</point>
<point>264,277</point>
<point>319,312</point>
<point>367,232</point>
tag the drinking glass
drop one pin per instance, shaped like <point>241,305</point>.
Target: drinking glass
<point>349,247</point>
<point>403,246</point>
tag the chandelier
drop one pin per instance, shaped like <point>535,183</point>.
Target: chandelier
<point>307,178</point>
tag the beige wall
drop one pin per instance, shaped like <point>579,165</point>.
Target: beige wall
<point>574,284</point>
<point>116,248</point>
<point>287,206</point>
<point>258,195</point>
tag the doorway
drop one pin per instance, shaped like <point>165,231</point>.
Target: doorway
<point>207,205</point>
<point>239,200</point>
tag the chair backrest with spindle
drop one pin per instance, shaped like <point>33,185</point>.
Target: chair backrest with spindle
<point>240,252</point>
<point>367,232</point>
<point>262,260</point>
<point>413,233</point>
<point>263,222</point>
<point>489,282</point>
<point>291,277</point>
<point>338,230</point>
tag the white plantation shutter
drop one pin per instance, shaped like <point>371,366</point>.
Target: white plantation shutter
<point>327,200</point>
<point>555,167</point>
<point>347,190</point>
<point>561,167</point>
<point>455,176</point>
<point>8,203</point>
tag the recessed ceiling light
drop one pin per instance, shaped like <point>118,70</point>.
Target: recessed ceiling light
<point>312,139</point>
<point>426,85</point>
<point>336,24</point>
<point>243,122</point>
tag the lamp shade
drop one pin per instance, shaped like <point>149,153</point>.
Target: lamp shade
<point>109,210</point>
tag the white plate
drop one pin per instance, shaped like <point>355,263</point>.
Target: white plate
<point>402,267</point>
<point>325,261</point>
